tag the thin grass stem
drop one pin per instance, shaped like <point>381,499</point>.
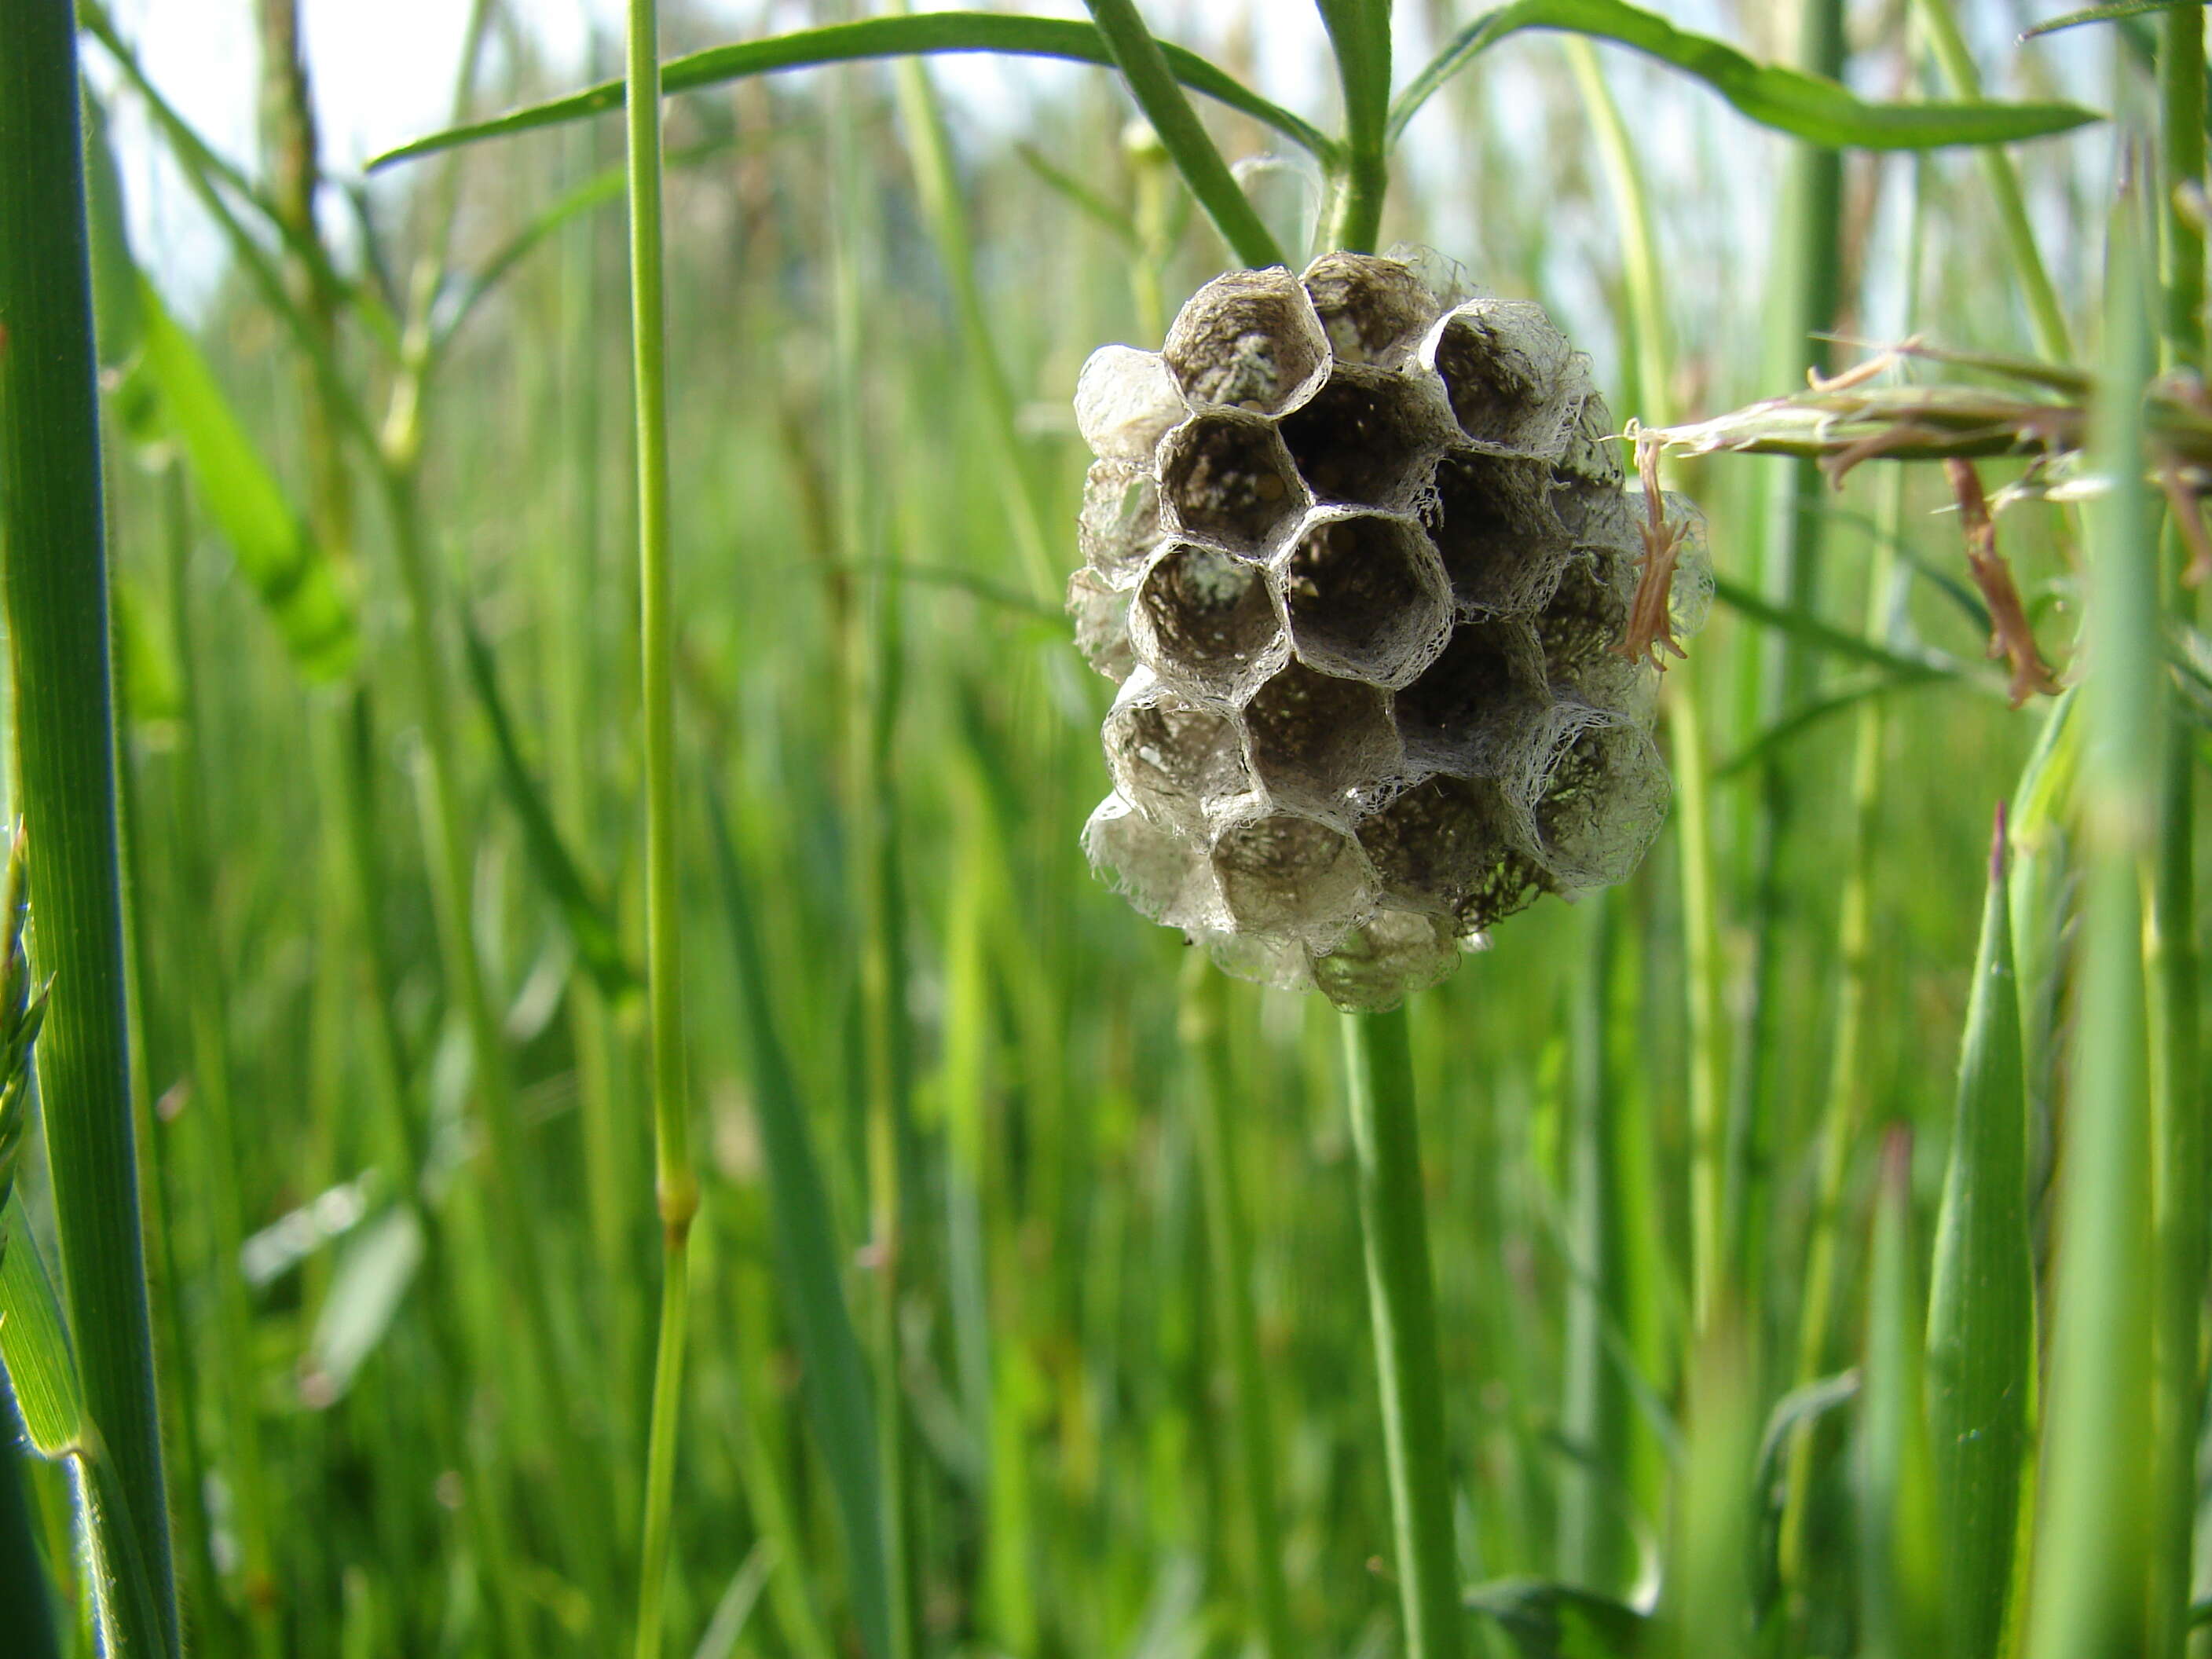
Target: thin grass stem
<point>675,1184</point>
<point>1211,1089</point>
<point>1401,1306</point>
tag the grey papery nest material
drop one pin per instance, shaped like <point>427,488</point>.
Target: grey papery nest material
<point>1359,559</point>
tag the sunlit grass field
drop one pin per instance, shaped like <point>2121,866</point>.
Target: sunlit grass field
<point>1026,1306</point>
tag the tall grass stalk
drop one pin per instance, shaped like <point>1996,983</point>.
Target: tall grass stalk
<point>51,524</point>
<point>1802,307</point>
<point>2093,1529</point>
<point>1650,400</point>
<point>2177,1127</point>
<point>1845,1103</point>
<point>675,1184</point>
<point>1401,1305</point>
<point>2046,317</point>
<point>210,1142</point>
<point>1211,1089</point>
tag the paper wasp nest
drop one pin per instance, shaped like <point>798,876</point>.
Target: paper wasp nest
<point>1358,560</point>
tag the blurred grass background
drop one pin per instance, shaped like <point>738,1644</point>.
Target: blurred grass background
<point>395,1425</point>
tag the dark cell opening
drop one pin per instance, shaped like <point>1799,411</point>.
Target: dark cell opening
<point>1318,742</point>
<point>1359,602</point>
<point>1360,440</point>
<point>1228,479</point>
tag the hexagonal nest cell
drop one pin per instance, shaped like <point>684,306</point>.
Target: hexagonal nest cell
<point>1361,561</point>
<point>1204,622</point>
<point>1373,310</point>
<point>1292,877</point>
<point>1503,545</point>
<point>1248,340</point>
<point>1500,363</point>
<point>1169,759</point>
<point>1381,964</point>
<point>1228,479</point>
<point>1598,791</point>
<point>1367,439</point>
<point>1366,597</point>
<point>1322,744</point>
<point>1467,708</point>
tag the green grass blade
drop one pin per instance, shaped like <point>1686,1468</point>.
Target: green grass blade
<point>837,1387</point>
<point>1902,1587</point>
<point>1807,106</point>
<point>2092,1532</point>
<point>591,925</point>
<point>1981,1314</point>
<point>881,37</point>
<point>1559,1621</point>
<point>1154,83</point>
<point>2106,14</point>
<point>53,524</point>
<point>34,1347</point>
<point>297,579</point>
<point>2046,317</point>
<point>39,1370</point>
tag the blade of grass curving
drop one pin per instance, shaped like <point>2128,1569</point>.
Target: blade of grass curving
<point>582,910</point>
<point>2092,1532</point>
<point>1401,1305</point>
<point>929,32</point>
<point>2045,314</point>
<point>1810,107</point>
<point>1858,694</point>
<point>1152,82</point>
<point>1981,1313</point>
<point>295,576</point>
<point>836,1385</point>
<point>2110,14</point>
<point>52,514</point>
<point>1902,1591</point>
<point>1825,637</point>
<point>1359,35</point>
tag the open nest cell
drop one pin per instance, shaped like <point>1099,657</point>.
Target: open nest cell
<point>1367,438</point>
<point>1172,758</point>
<point>1322,744</point>
<point>1500,362</point>
<point>1204,622</point>
<point>1373,310</point>
<point>1599,794</point>
<point>1293,878</point>
<point>1378,965</point>
<point>1248,340</point>
<point>1502,545</point>
<point>1367,598</point>
<point>1228,479</point>
<point>1468,706</point>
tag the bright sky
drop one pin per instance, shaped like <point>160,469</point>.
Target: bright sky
<point>382,72</point>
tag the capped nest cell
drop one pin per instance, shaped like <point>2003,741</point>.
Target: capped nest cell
<point>1361,559</point>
